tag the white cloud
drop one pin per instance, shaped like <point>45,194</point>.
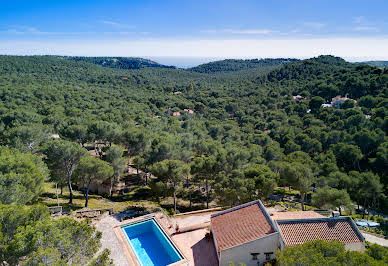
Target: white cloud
<point>295,31</point>
<point>368,48</point>
<point>27,30</point>
<point>240,31</point>
<point>250,31</point>
<point>366,28</point>
<point>117,24</point>
<point>208,31</point>
<point>314,25</point>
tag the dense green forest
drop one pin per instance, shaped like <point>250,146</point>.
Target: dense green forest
<point>120,62</point>
<point>230,65</point>
<point>225,132</point>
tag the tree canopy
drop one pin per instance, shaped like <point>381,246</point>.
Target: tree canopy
<point>22,176</point>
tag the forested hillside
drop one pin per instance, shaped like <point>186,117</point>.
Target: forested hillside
<point>245,127</point>
<point>381,64</point>
<point>223,138</point>
<point>231,65</point>
<point>120,62</point>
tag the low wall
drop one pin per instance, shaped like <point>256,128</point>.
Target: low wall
<point>198,212</point>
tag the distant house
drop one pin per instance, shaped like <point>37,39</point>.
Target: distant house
<point>326,105</point>
<point>189,111</point>
<point>298,98</point>
<point>176,114</point>
<point>248,234</point>
<point>338,100</point>
<point>55,136</point>
<point>104,187</point>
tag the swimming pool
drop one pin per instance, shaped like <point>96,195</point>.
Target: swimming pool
<point>150,244</point>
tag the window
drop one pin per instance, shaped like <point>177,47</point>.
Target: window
<point>254,256</point>
<point>268,255</point>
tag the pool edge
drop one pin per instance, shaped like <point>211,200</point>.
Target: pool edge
<point>128,250</point>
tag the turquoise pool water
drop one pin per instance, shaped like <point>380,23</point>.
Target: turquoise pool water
<point>151,245</point>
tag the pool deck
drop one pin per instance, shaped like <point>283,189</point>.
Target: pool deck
<point>192,244</point>
<point>110,241</point>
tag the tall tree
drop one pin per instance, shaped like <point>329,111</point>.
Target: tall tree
<point>331,198</point>
<point>114,156</point>
<point>56,242</point>
<point>347,155</point>
<point>207,168</point>
<point>316,103</point>
<point>234,188</point>
<point>22,176</point>
<point>63,157</point>
<point>92,169</point>
<point>299,176</point>
<point>135,140</point>
<point>367,189</point>
<point>28,137</point>
<point>172,172</point>
<point>78,133</point>
<point>264,179</point>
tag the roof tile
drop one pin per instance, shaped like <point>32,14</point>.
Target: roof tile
<point>296,232</point>
<point>295,215</point>
<point>244,224</point>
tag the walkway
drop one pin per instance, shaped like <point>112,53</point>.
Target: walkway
<point>374,239</point>
<point>110,241</point>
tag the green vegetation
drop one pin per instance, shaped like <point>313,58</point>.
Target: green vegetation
<point>319,252</point>
<point>231,65</point>
<point>30,237</point>
<point>92,169</point>
<point>223,133</point>
<point>22,176</point>
<point>238,123</point>
<point>119,62</point>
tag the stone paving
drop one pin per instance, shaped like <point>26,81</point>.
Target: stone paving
<point>110,241</point>
<point>197,249</point>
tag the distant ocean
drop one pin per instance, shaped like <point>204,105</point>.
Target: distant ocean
<point>182,62</point>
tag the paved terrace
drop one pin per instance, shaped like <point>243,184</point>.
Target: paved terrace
<point>192,240</point>
<point>198,249</point>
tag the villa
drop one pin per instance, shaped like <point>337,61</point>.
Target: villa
<point>248,234</point>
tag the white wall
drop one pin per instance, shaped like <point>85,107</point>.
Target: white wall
<point>358,246</point>
<point>242,253</point>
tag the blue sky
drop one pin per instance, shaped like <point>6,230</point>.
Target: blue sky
<point>243,28</point>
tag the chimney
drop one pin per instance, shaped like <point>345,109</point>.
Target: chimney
<point>335,214</point>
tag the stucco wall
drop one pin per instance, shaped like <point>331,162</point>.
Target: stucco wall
<point>242,253</point>
<point>358,246</point>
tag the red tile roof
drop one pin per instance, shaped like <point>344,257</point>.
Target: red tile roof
<point>241,224</point>
<point>295,215</point>
<point>296,232</point>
